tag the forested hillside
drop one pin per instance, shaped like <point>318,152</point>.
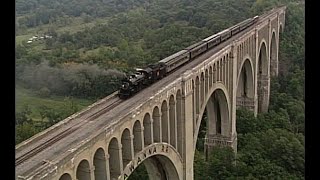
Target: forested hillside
<point>87,46</point>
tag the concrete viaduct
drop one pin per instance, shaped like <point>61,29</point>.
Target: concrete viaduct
<point>159,126</point>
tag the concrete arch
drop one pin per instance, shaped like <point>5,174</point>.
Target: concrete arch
<point>172,121</point>
<point>165,168</point>
<point>214,72</point>
<point>201,89</point>
<point>247,45</point>
<point>238,50</point>
<point>126,147</point>
<point>225,104</point>
<point>245,79</point>
<point>218,115</point>
<point>99,162</point>
<point>206,82</point>
<point>273,55</point>
<point>273,31</point>
<point>263,79</point>
<point>65,176</point>
<point>164,122</point>
<point>224,70</point>
<point>161,161</point>
<point>147,129</point>
<point>227,71</point>
<point>245,85</point>
<point>263,58</point>
<point>197,94</point>
<point>193,96</point>
<point>220,69</point>
<point>241,49</point>
<point>280,28</point>
<point>114,158</point>
<point>210,77</point>
<point>137,137</point>
<point>156,124</point>
<point>244,47</point>
<point>83,170</point>
<point>180,123</point>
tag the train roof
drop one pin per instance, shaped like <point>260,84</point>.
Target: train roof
<point>173,56</point>
<point>145,70</point>
<point>224,31</point>
<point>210,37</point>
<point>245,21</point>
<point>194,45</point>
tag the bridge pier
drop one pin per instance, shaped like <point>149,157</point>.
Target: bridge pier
<point>218,140</point>
<point>245,102</point>
<point>263,93</point>
<point>187,117</point>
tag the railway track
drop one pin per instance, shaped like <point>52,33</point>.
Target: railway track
<point>112,102</point>
<point>43,146</point>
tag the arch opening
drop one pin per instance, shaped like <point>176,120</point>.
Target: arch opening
<point>126,147</point>
<point>65,176</point>
<point>210,77</point>
<point>157,167</point>
<point>180,123</point>
<point>147,130</point>
<point>202,90</point>
<point>172,120</point>
<point>206,82</point>
<point>227,72</point>
<point>137,137</point>
<point>218,116</point>
<point>262,61</point>
<point>156,124</point>
<point>245,87</point>
<point>139,173</point>
<point>197,95</point>
<point>280,29</point>
<point>273,56</point>
<point>263,79</point>
<point>164,122</point>
<point>99,162</point>
<point>114,160</point>
<point>217,122</point>
<point>83,171</point>
<point>224,70</point>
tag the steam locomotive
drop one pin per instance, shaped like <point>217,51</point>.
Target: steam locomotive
<point>142,78</point>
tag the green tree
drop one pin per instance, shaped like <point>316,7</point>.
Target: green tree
<point>200,166</point>
<point>221,163</point>
<point>140,173</point>
<point>25,131</point>
<point>23,115</point>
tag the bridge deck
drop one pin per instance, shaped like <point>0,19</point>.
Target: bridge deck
<point>67,137</point>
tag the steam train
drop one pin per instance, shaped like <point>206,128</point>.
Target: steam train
<point>142,78</point>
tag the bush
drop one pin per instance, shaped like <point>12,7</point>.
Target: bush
<point>44,92</point>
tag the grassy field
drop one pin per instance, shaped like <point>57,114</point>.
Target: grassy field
<point>26,97</point>
<point>74,25</point>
